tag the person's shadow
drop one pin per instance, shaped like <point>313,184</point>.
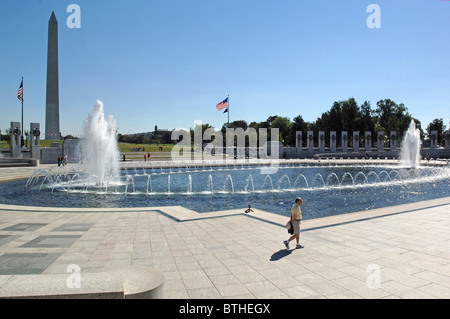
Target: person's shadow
<point>280,254</point>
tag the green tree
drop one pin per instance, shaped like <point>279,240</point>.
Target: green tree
<point>235,124</point>
<point>437,125</point>
<point>350,115</point>
<point>298,124</point>
<point>284,126</point>
<point>331,121</point>
<point>367,121</point>
<point>392,116</point>
<point>385,111</point>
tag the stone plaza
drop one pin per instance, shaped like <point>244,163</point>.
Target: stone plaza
<point>393,252</point>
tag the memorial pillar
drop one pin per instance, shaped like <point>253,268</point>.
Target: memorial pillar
<point>433,139</point>
<point>447,139</point>
<point>35,140</point>
<point>355,141</point>
<point>310,142</point>
<point>344,141</point>
<point>321,141</point>
<point>298,143</point>
<point>368,141</point>
<point>393,141</point>
<point>15,140</point>
<point>380,141</point>
<point>333,141</point>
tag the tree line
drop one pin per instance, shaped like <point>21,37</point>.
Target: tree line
<point>141,138</point>
<point>347,116</point>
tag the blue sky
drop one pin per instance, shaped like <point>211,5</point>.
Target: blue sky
<point>169,62</point>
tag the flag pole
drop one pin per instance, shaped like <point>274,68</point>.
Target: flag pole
<point>228,110</point>
<point>21,137</point>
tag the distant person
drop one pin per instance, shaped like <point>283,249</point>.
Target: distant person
<point>145,157</point>
<point>65,160</point>
<point>123,157</point>
<point>296,217</point>
<point>59,160</point>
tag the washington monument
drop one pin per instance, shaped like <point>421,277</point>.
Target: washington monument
<point>52,101</point>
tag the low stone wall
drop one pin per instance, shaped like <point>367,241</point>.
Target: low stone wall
<point>49,155</point>
<point>10,162</point>
<point>432,153</point>
<point>130,282</point>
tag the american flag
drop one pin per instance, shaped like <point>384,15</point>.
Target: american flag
<point>20,93</point>
<point>222,104</point>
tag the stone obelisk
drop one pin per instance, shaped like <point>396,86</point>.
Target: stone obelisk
<point>52,101</point>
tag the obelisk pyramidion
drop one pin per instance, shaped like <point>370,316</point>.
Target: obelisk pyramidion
<point>52,101</point>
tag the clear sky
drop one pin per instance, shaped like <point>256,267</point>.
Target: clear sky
<point>169,62</point>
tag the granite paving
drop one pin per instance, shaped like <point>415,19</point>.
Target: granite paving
<point>393,252</point>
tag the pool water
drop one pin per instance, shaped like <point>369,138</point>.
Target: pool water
<point>325,191</point>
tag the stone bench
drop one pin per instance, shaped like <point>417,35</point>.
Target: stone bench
<point>10,162</point>
<point>125,283</point>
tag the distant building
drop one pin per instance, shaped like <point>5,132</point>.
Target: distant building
<point>157,134</point>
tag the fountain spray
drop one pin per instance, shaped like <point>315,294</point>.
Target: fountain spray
<point>99,151</point>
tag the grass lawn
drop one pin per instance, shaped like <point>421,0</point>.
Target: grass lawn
<point>44,143</point>
<point>123,147</point>
<point>152,148</point>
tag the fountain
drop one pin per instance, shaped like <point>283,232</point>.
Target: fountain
<point>99,182</point>
<point>346,188</point>
<point>99,151</point>
<point>410,154</point>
